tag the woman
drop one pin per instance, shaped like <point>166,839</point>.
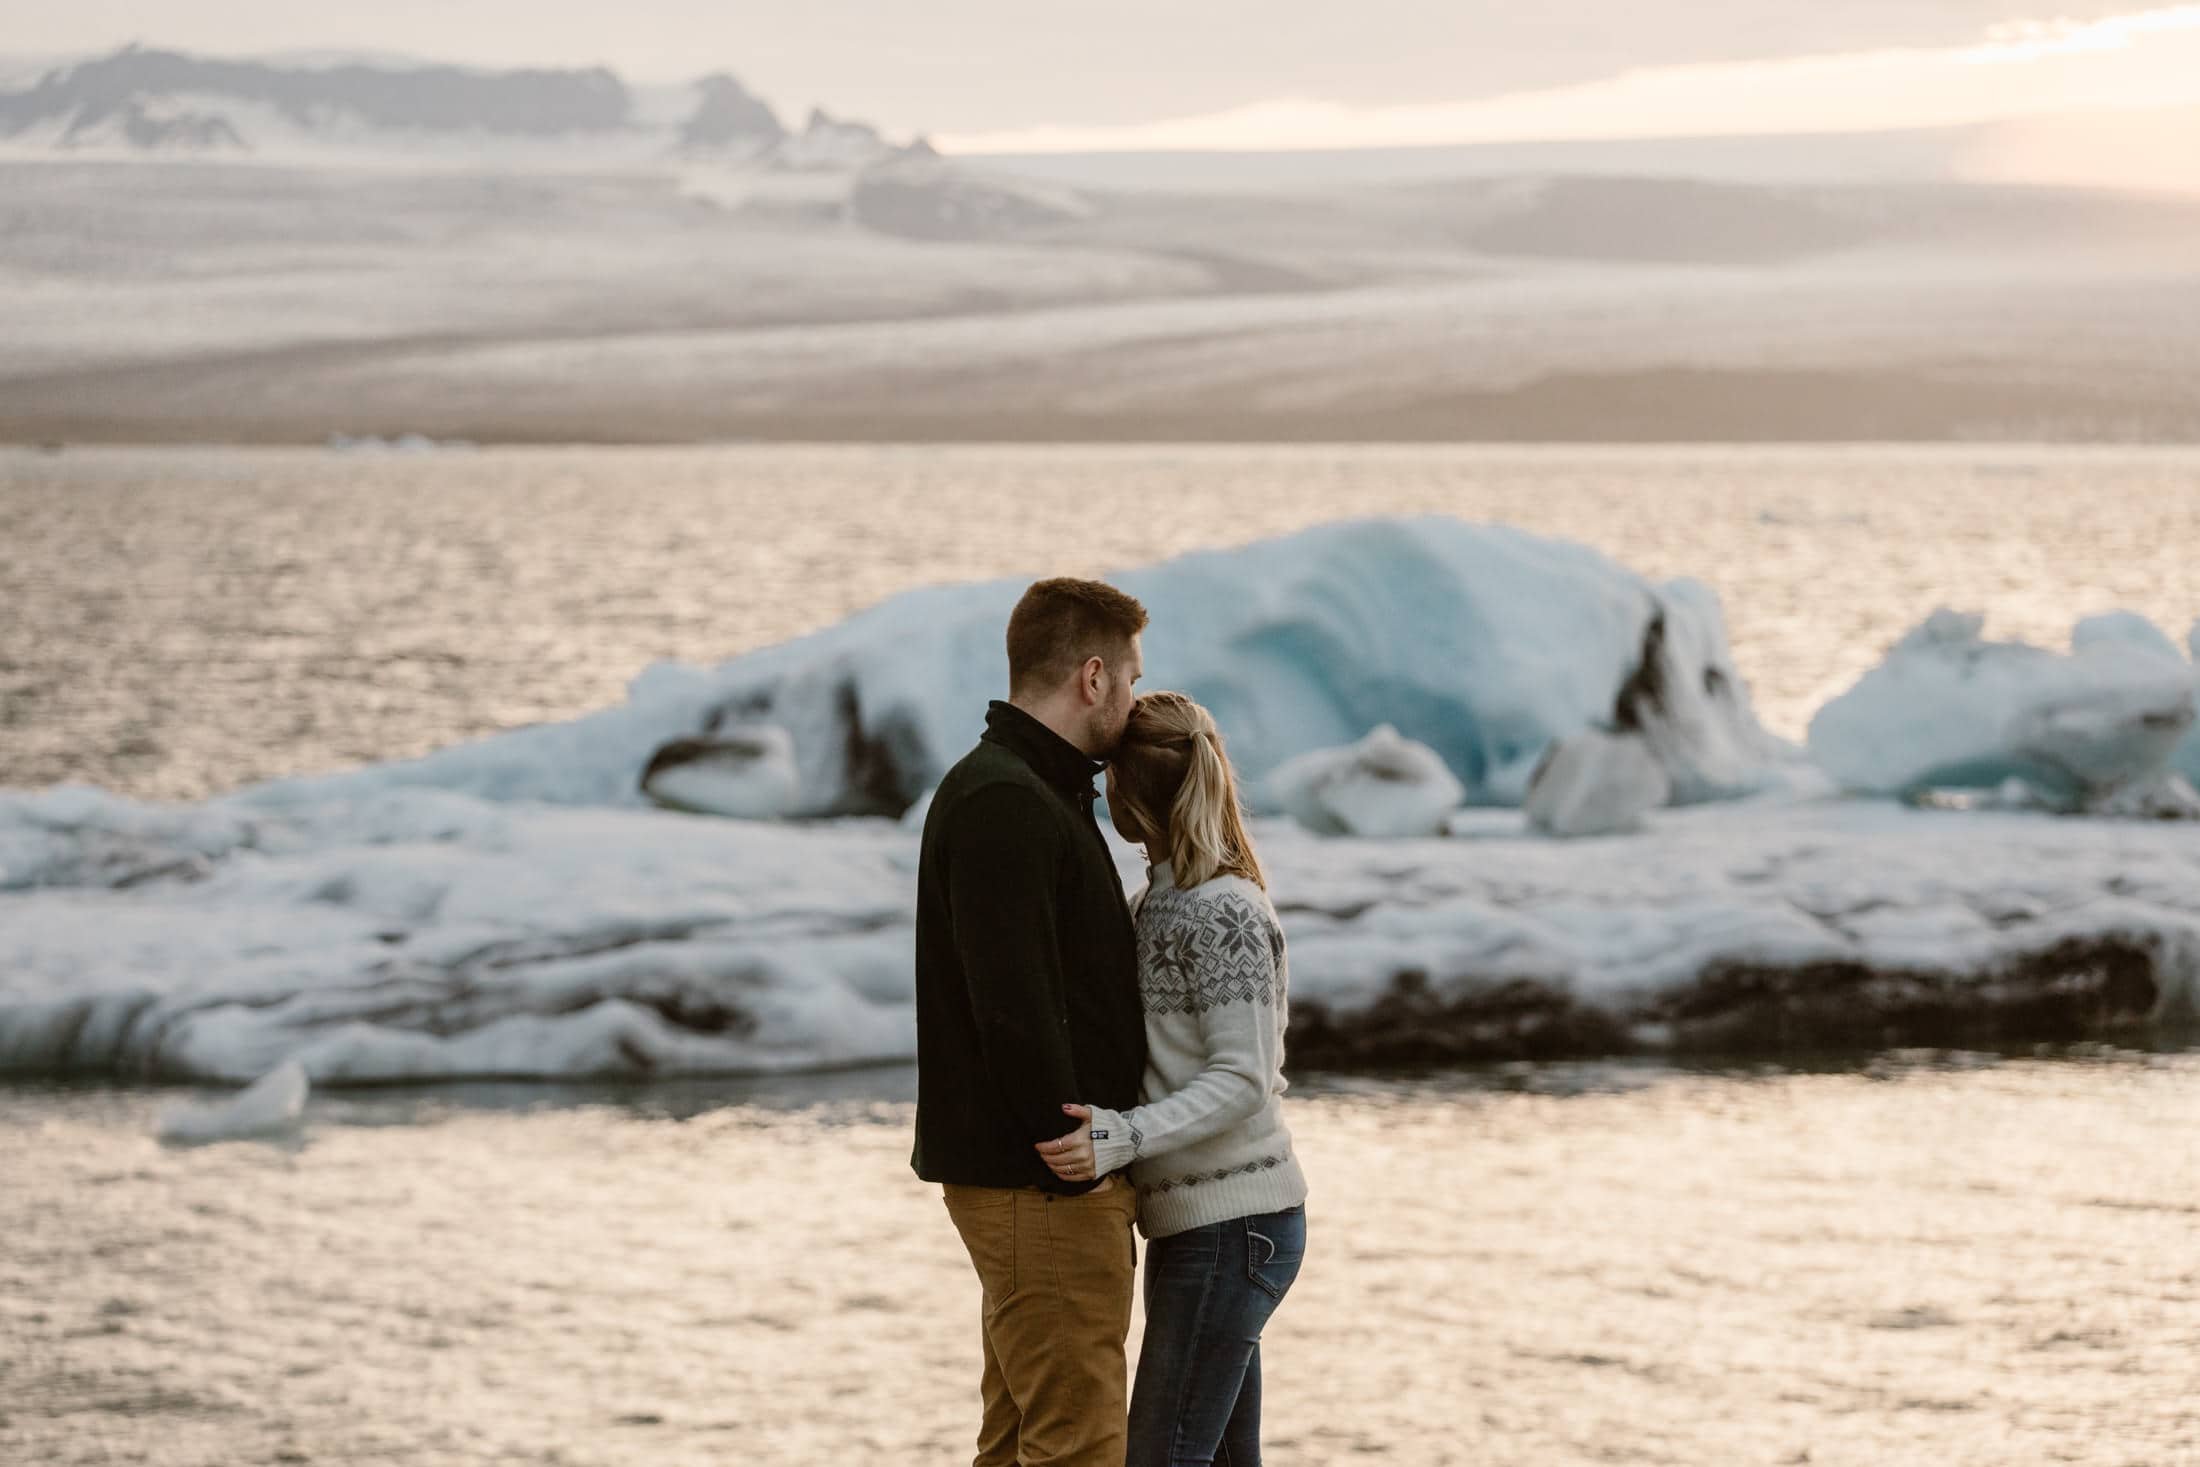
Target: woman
<point>1221,1197</point>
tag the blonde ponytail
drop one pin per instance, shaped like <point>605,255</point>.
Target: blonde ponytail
<point>1172,758</point>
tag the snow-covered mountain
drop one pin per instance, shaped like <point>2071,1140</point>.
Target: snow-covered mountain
<point>139,101</point>
<point>727,116</point>
<point>83,100</point>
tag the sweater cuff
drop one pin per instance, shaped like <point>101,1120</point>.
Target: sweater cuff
<point>1119,1149</point>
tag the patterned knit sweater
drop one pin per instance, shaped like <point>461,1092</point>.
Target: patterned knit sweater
<point>1207,1141</point>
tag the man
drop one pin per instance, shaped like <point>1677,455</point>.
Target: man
<point>1027,998</point>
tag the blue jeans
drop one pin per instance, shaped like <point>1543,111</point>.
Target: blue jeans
<point>1208,1292</point>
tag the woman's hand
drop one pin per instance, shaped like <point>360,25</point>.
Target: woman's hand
<point>1070,1156</point>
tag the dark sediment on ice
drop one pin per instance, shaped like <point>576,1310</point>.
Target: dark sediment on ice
<point>2081,988</point>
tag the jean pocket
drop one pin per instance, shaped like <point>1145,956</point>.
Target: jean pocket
<point>1275,1245</point>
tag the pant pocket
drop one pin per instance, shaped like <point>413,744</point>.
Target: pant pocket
<point>1275,1245</point>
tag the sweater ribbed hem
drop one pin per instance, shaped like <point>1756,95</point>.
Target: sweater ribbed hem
<point>1181,1208</point>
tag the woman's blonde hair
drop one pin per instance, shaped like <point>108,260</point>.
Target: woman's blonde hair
<point>1173,778</point>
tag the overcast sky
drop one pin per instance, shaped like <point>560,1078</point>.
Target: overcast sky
<point>1009,70</point>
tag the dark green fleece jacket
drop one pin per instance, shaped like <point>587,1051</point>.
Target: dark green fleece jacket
<point>1027,964</point>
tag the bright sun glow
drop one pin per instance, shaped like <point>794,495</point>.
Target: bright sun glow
<point>2029,40</point>
<point>2021,69</point>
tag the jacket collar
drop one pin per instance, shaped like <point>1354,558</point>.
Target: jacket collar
<point>1052,757</point>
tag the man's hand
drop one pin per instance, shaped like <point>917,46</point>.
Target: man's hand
<point>1070,1156</point>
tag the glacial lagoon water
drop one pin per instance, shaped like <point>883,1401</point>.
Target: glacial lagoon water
<point>1932,1258</point>
<point>1960,1260</point>
<point>182,621</point>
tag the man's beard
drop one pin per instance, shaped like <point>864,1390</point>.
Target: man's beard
<point>1108,739</point>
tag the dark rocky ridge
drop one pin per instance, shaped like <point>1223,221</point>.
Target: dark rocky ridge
<point>168,101</point>
<point>727,113</point>
<point>194,131</point>
<point>432,97</point>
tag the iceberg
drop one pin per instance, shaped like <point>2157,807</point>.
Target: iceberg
<point>2186,761</point>
<point>749,774</point>
<point>431,936</point>
<point>1483,642</point>
<point>270,1105</point>
<point>1596,783</point>
<point>422,934</point>
<point>81,835</point>
<point>2127,629</point>
<point>1384,786</point>
<point>1948,709</point>
<point>523,906</point>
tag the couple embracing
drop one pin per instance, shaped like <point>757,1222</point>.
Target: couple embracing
<point>1086,1062</point>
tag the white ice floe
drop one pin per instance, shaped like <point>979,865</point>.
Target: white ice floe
<point>82,835</point>
<point>270,1105</point>
<point>1483,642</point>
<point>421,933</point>
<point>746,773</point>
<point>1949,709</point>
<point>1384,786</point>
<point>426,935</point>
<point>1596,783</point>
<point>403,443</point>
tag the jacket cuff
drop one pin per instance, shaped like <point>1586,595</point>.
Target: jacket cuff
<point>1121,1146</point>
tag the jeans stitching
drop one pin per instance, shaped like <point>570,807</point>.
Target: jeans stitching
<point>1252,1269</point>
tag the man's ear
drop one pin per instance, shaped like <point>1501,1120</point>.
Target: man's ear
<point>1095,679</point>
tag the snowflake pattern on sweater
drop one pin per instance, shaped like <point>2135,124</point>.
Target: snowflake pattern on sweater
<point>1199,952</point>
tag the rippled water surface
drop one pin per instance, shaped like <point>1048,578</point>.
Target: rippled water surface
<point>181,621</point>
<point>1955,1261</point>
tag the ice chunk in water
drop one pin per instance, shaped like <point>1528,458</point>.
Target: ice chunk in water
<point>1596,783</point>
<point>1949,709</point>
<point>270,1105</point>
<point>1385,786</point>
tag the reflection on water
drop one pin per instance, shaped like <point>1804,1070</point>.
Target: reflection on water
<point>185,621</point>
<point>1949,1260</point>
